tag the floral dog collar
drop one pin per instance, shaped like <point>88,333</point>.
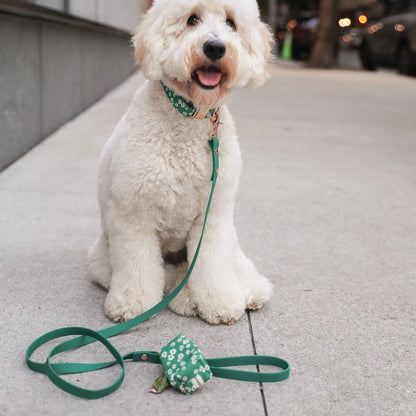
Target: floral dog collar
<point>185,108</point>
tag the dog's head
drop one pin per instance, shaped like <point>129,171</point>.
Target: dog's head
<point>203,48</point>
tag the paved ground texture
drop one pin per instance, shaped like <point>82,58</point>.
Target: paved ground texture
<point>326,209</point>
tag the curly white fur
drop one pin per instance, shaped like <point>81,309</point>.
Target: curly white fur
<point>155,170</point>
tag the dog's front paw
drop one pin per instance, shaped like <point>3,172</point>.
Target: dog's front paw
<point>183,304</point>
<point>121,307</point>
<point>258,291</point>
<point>225,309</point>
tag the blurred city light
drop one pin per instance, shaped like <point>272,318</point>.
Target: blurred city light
<point>345,22</point>
<point>292,24</point>
<point>363,19</point>
<point>346,38</point>
<point>375,28</point>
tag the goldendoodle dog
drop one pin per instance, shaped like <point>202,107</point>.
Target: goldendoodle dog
<point>155,171</point>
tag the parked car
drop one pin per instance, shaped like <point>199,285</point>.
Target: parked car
<point>304,28</point>
<point>391,40</point>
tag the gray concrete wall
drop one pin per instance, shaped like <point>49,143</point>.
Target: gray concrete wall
<point>50,72</point>
<point>122,14</point>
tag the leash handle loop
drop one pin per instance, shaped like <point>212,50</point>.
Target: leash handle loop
<point>217,367</point>
<point>53,371</point>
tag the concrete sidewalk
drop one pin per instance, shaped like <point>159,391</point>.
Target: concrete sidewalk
<point>326,209</point>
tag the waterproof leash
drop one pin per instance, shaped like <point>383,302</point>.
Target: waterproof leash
<point>185,367</point>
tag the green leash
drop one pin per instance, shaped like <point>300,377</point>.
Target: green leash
<point>185,367</point>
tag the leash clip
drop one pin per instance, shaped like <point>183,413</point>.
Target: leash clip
<point>215,123</point>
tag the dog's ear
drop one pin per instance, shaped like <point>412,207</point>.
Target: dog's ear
<point>148,47</point>
<point>268,41</point>
<point>139,46</point>
<point>260,52</point>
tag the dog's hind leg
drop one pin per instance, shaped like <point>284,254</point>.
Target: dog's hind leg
<point>182,304</point>
<point>99,266</point>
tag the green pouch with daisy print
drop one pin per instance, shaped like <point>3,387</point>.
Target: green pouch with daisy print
<point>185,367</point>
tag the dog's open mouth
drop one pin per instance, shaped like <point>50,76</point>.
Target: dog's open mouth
<point>207,77</point>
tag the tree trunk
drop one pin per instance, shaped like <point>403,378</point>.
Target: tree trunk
<point>323,51</point>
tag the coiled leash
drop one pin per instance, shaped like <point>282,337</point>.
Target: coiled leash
<point>185,367</point>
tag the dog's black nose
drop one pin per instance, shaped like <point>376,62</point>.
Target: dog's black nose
<point>214,49</point>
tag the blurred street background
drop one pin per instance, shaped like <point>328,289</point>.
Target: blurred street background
<point>349,34</point>
<point>80,50</point>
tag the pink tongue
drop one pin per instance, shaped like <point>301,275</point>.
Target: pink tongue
<point>209,78</point>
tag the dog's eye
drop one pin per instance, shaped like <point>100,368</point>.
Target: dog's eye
<point>193,20</point>
<point>231,23</point>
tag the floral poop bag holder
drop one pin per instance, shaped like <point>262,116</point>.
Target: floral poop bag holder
<point>185,368</point>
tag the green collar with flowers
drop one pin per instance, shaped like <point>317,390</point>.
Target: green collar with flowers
<point>185,108</point>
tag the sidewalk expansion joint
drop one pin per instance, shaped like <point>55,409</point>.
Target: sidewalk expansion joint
<point>253,343</point>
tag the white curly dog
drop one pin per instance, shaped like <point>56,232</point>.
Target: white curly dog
<point>155,171</point>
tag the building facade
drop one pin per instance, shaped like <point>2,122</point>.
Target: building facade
<point>57,58</point>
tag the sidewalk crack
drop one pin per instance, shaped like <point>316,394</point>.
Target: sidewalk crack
<point>253,343</point>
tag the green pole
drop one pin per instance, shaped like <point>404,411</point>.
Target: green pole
<point>287,46</point>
